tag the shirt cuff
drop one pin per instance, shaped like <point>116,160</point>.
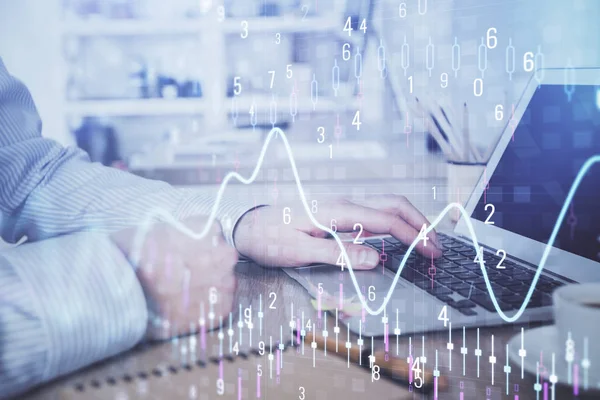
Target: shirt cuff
<point>228,213</point>
<point>86,296</point>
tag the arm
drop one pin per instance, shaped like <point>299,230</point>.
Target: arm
<point>65,302</point>
<point>72,299</point>
<point>47,190</point>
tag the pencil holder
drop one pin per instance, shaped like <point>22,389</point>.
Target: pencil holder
<point>461,180</point>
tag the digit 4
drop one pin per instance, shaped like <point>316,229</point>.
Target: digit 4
<point>422,235</point>
<point>416,368</point>
<point>356,120</point>
<point>340,261</point>
<point>479,256</point>
<point>443,316</point>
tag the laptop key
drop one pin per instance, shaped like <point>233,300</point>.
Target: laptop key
<point>500,279</point>
<point>485,302</point>
<point>454,257</point>
<point>463,304</point>
<point>467,311</point>
<point>395,250</point>
<point>517,269</point>
<point>445,264</point>
<point>459,286</point>
<point>469,264</point>
<point>495,287</point>
<point>513,299</point>
<point>523,278</point>
<point>513,285</point>
<point>472,291</point>
<point>492,273</point>
<point>466,275</point>
<point>468,253</point>
<point>393,241</point>
<point>456,270</point>
<point>440,274</point>
<point>508,271</point>
<point>448,280</point>
<point>438,290</point>
<point>379,244</point>
<point>444,298</point>
<point>463,248</point>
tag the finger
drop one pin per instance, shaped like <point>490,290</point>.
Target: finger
<point>381,222</point>
<point>347,215</point>
<point>400,205</point>
<point>327,251</point>
<point>405,233</point>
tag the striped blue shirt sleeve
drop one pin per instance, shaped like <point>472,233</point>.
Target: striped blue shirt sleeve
<point>68,297</point>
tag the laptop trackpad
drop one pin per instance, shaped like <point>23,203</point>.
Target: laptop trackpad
<point>332,279</point>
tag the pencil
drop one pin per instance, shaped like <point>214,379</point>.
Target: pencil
<point>466,134</point>
<point>435,132</point>
<point>446,126</point>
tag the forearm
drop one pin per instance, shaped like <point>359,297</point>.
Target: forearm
<point>76,195</point>
<point>65,303</point>
<point>48,190</point>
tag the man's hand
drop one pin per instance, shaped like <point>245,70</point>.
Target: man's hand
<point>179,275</point>
<point>264,236</point>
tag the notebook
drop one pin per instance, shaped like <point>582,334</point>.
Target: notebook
<point>180,370</point>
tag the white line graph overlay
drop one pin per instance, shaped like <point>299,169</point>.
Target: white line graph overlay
<point>167,217</point>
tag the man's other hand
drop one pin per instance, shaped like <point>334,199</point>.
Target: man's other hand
<point>181,275</point>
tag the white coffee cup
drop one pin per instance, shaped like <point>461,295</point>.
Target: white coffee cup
<point>577,316</point>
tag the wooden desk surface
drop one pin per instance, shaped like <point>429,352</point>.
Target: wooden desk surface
<point>255,283</point>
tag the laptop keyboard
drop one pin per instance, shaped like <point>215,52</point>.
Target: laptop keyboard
<point>457,273</point>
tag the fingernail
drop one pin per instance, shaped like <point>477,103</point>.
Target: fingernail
<point>369,258</point>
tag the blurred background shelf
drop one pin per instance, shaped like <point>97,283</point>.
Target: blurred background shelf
<point>136,107</point>
<point>284,24</point>
<point>99,27</point>
<point>263,103</point>
<point>145,79</point>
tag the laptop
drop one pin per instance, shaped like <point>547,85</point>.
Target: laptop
<point>513,209</point>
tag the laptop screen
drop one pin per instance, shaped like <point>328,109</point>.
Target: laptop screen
<point>559,132</point>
